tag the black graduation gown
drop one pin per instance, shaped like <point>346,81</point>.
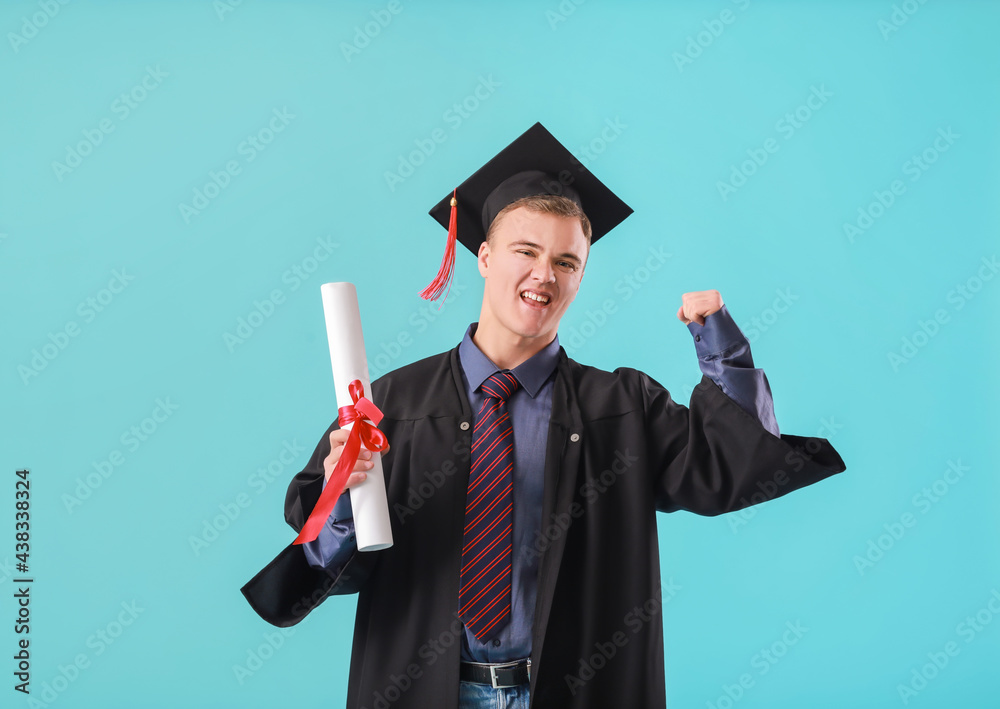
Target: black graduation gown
<point>619,449</point>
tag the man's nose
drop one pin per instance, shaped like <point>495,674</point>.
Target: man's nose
<point>543,272</point>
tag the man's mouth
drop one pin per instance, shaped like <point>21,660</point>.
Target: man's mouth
<point>533,297</point>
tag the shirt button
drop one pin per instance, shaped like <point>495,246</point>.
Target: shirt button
<point>464,425</point>
<point>697,338</point>
<point>574,437</point>
<point>496,642</point>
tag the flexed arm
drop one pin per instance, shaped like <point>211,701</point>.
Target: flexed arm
<point>724,355</point>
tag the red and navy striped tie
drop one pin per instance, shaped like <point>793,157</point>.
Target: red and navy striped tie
<point>484,593</point>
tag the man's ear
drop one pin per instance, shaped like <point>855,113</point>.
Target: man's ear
<point>483,258</point>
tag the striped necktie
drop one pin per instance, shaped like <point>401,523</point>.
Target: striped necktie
<point>484,592</point>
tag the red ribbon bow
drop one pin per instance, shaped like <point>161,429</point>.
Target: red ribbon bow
<point>365,416</point>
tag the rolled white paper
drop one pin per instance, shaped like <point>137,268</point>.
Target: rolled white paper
<point>347,355</point>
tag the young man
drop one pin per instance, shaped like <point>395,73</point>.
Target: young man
<point>522,485</point>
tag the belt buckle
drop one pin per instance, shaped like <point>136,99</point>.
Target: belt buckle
<point>493,675</point>
<point>508,665</point>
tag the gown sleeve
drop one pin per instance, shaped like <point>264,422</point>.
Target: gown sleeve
<point>289,588</point>
<point>715,457</point>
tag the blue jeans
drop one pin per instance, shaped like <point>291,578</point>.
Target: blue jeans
<point>472,695</point>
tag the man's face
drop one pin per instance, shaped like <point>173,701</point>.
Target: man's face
<point>532,267</point>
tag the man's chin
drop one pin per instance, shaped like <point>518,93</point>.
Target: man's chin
<point>535,332</point>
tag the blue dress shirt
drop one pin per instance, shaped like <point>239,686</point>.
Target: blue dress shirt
<point>723,356</point>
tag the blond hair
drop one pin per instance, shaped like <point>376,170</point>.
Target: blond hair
<point>549,204</point>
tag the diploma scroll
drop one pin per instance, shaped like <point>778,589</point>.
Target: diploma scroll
<point>347,355</point>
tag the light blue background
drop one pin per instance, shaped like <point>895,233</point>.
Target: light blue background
<point>681,127</point>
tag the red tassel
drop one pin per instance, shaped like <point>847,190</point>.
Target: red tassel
<point>442,282</point>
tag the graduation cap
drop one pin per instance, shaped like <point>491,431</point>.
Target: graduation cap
<point>534,164</point>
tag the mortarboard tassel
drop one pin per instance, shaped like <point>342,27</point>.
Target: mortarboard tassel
<point>442,282</point>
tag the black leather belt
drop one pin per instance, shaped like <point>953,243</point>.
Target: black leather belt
<point>502,674</point>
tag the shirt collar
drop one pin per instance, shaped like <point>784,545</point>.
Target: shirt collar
<point>531,374</point>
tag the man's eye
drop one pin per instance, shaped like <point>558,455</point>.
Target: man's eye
<point>525,252</point>
<point>567,265</point>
